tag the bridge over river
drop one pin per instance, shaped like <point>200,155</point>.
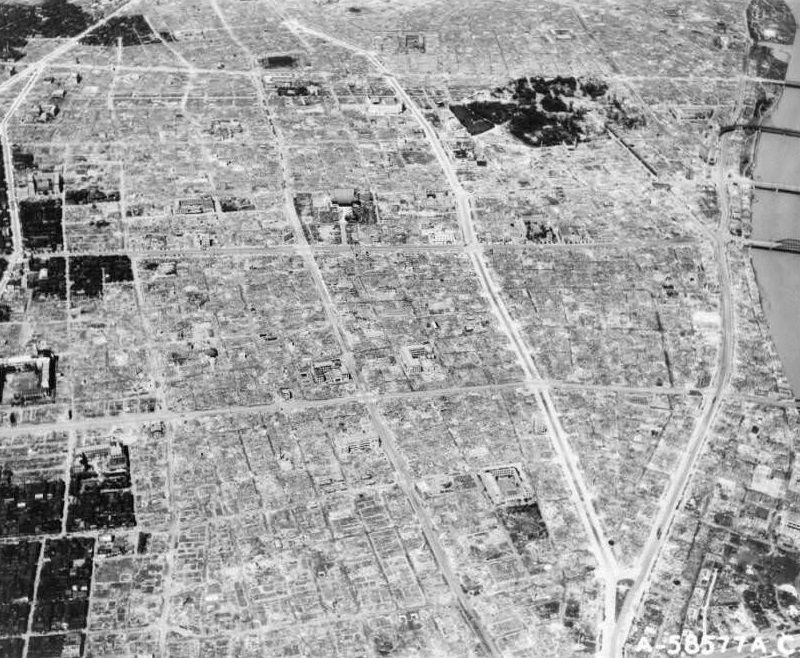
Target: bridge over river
<point>772,130</point>
<point>791,245</point>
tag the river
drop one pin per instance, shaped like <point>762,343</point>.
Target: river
<point>777,216</point>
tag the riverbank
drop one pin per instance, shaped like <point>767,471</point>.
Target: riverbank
<point>777,216</point>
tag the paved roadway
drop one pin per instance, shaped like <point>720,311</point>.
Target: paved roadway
<point>606,560</point>
<point>36,67</point>
<point>404,477</point>
<point>11,190</point>
<point>613,634</point>
<point>681,477</point>
<point>32,72</point>
<point>297,405</point>
<point>361,248</point>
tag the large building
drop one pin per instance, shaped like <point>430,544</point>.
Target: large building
<point>417,359</point>
<point>332,371</point>
<point>507,485</point>
<point>28,379</point>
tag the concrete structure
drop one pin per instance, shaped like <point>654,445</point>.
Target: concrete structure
<point>343,196</point>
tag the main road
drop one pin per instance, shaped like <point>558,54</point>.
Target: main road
<point>682,476</point>
<point>11,187</point>
<point>36,67</point>
<point>400,467</point>
<point>609,569</point>
<point>32,72</point>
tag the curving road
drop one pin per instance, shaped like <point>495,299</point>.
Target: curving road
<point>673,498</point>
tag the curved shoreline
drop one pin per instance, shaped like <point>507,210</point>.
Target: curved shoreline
<point>777,216</point>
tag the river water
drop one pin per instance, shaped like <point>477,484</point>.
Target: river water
<point>777,216</point>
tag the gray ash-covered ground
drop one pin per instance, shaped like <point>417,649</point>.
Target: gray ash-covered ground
<point>544,111</point>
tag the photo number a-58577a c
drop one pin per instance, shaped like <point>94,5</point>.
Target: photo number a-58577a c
<point>689,644</point>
